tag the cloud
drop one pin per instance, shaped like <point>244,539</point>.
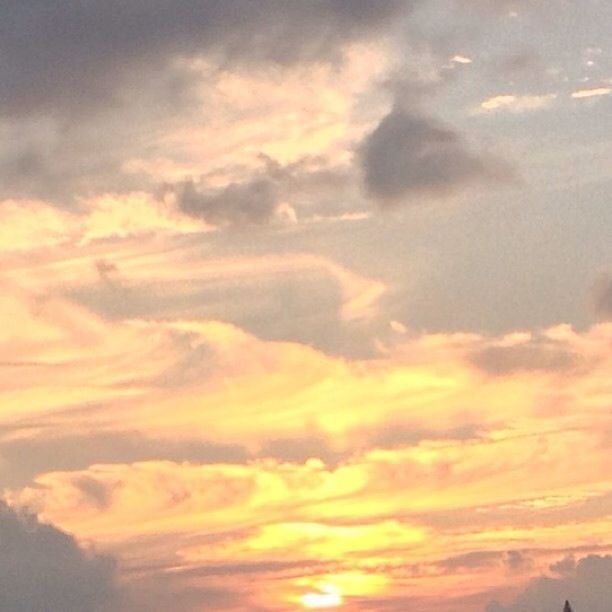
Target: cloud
<point>332,469</point>
<point>71,57</point>
<point>592,93</point>
<point>159,78</point>
<point>517,104</point>
<point>409,154</point>
<point>21,458</point>
<point>586,584</point>
<point>171,591</point>
<point>231,119</point>
<point>512,560</point>
<point>471,560</point>
<point>43,568</point>
<point>314,456</point>
<point>273,192</point>
<point>543,356</point>
<point>28,224</point>
<point>250,203</point>
<point>403,435</point>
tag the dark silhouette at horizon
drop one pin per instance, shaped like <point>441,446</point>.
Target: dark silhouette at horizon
<point>567,607</point>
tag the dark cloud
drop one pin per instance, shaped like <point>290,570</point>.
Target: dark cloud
<point>45,159</point>
<point>540,356</point>
<point>314,184</point>
<point>602,297</point>
<point>23,167</point>
<point>255,567</point>
<point>63,61</point>
<point>492,516</point>
<point>513,560</point>
<point>516,561</point>
<point>399,435</point>
<point>256,200</point>
<point>301,305</point>
<point>70,56</point>
<point>160,593</point>
<point>43,568</point>
<point>99,494</point>
<point>24,458</point>
<point>409,154</point>
<point>586,584</point>
<point>299,450</point>
<point>472,560</point>
<point>238,204</point>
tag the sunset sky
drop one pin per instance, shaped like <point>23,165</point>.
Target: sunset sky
<point>306,304</point>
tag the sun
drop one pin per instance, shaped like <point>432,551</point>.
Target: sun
<point>326,596</point>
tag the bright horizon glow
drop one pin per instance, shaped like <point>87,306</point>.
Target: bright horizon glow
<point>328,596</point>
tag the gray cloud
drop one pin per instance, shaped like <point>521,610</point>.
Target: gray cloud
<point>594,508</point>
<point>254,567</point>
<point>410,154</point>
<point>512,560</point>
<point>160,593</point>
<point>298,305</point>
<point>471,560</point>
<point>542,356</point>
<point>70,56</point>
<point>46,158</point>
<point>493,4</point>
<point>238,204</point>
<point>63,62</point>
<point>298,450</point>
<point>515,560</point>
<point>586,584</point>
<point>43,568</point>
<point>23,458</point>
<point>255,201</point>
<point>400,435</point>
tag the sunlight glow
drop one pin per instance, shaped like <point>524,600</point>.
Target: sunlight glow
<point>328,596</point>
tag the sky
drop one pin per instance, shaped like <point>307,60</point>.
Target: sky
<point>306,304</point>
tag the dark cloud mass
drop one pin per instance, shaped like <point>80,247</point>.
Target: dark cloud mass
<point>586,584</point>
<point>410,154</point>
<point>43,569</point>
<point>249,203</point>
<point>68,55</point>
<point>256,200</point>
<point>69,67</point>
